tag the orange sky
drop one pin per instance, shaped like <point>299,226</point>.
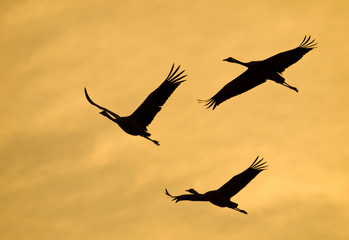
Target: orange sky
<point>69,173</point>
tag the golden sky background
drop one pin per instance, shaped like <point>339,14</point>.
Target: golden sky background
<point>69,173</point>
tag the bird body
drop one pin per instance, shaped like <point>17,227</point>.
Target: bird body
<point>259,71</point>
<point>221,197</point>
<point>128,124</point>
<point>136,124</point>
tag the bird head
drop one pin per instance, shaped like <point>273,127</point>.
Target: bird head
<point>232,60</point>
<point>192,191</point>
<point>104,113</point>
<point>111,116</point>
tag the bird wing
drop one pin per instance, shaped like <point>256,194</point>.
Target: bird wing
<point>281,61</point>
<point>146,112</point>
<point>244,82</point>
<point>238,182</point>
<point>100,107</point>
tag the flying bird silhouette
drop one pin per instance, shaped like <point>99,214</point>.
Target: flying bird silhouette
<point>221,197</point>
<point>136,124</point>
<point>259,71</point>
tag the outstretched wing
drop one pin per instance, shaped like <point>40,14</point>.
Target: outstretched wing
<point>185,197</point>
<point>146,112</point>
<point>100,107</point>
<point>281,61</point>
<point>246,81</point>
<point>238,182</point>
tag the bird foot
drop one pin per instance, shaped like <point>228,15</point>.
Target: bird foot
<point>240,210</point>
<point>295,89</point>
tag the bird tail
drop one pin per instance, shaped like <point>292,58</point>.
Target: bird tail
<point>209,103</point>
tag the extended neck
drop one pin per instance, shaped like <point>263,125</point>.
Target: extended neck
<point>198,197</point>
<point>233,60</point>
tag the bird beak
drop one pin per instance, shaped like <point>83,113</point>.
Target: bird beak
<point>225,59</point>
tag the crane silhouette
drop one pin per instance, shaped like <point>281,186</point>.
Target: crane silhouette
<point>259,71</point>
<point>221,197</point>
<point>136,124</point>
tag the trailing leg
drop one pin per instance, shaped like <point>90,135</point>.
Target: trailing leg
<point>154,141</point>
<point>240,210</point>
<point>289,86</point>
<point>280,79</point>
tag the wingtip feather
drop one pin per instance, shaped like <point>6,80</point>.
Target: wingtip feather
<point>306,44</point>
<point>173,78</point>
<point>208,103</point>
<point>258,164</point>
<point>170,71</point>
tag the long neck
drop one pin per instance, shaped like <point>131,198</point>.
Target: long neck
<point>196,197</point>
<point>191,197</point>
<point>233,60</point>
